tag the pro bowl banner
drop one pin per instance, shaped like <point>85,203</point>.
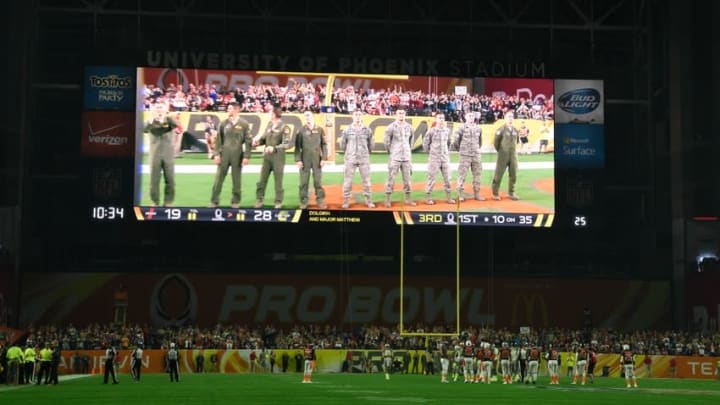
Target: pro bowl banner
<point>579,101</point>
<point>286,300</point>
<point>580,146</point>
<point>109,88</point>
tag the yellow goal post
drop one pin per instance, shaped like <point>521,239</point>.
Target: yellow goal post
<point>428,335</point>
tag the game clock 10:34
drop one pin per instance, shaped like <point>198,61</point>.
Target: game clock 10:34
<point>107,213</point>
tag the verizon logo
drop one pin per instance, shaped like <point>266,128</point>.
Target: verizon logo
<point>104,137</point>
<point>108,139</point>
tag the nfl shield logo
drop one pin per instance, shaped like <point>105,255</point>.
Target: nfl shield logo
<point>106,183</point>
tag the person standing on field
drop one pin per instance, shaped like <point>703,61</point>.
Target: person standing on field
<point>162,154</point>
<point>232,151</point>
<point>506,140</point>
<point>436,143</point>
<point>311,153</point>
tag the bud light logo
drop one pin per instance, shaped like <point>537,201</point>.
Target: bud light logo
<point>580,101</point>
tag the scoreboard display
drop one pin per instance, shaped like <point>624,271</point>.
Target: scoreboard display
<point>395,149</point>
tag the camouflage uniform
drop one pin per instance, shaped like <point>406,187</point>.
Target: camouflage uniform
<point>436,143</point>
<point>357,143</point>
<point>398,139</point>
<point>468,139</point>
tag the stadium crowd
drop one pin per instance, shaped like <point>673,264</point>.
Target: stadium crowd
<point>97,336</point>
<point>299,97</point>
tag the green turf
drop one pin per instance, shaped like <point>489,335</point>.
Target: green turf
<point>356,389</point>
<point>193,190</point>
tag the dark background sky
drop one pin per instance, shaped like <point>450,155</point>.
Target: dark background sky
<point>661,133</point>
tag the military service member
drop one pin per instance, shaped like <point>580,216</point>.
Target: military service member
<point>232,150</point>
<point>467,141</point>
<point>277,139</point>
<point>506,139</point>
<point>398,142</point>
<point>311,153</point>
<point>162,154</point>
<point>437,144</point>
<point>357,143</point>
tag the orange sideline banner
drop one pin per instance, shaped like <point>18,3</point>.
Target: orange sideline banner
<point>331,361</point>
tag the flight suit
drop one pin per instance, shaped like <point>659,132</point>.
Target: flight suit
<point>310,149</point>
<point>162,158</point>
<point>233,144</point>
<point>506,139</point>
<point>280,138</point>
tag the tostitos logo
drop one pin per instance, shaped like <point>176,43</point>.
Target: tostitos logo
<point>111,81</point>
<point>580,101</point>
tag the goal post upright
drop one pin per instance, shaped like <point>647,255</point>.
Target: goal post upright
<point>402,279</point>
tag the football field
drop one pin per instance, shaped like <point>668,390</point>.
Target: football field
<point>355,389</point>
<point>195,174</point>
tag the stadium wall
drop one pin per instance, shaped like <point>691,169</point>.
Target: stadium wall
<point>344,299</point>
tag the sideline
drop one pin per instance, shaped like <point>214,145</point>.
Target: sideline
<point>5,388</point>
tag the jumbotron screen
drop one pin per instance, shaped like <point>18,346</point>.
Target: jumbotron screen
<point>299,147</point>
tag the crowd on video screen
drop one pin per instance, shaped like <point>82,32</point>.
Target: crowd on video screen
<point>299,97</point>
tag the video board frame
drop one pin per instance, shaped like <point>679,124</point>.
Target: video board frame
<point>379,96</point>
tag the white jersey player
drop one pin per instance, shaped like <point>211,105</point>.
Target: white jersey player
<point>581,364</point>
<point>627,359</point>
<point>387,355</point>
<point>468,359</point>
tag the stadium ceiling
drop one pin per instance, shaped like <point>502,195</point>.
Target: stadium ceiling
<point>593,15</point>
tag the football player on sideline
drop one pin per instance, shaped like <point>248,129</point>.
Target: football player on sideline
<point>581,360</point>
<point>468,354</point>
<point>444,363</point>
<point>309,355</point>
<point>488,357</point>
<point>457,361</point>
<point>505,363</point>
<point>533,365</point>
<point>553,365</point>
<point>628,362</point>
<point>387,355</point>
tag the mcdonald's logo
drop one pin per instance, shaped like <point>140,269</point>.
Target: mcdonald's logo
<point>532,304</point>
